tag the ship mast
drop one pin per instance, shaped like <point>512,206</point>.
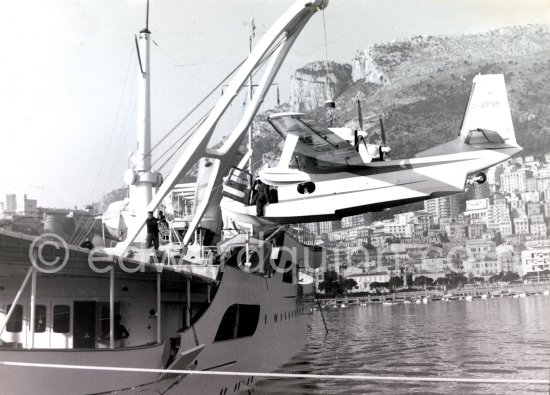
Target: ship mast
<point>140,177</point>
<point>272,49</point>
<point>250,93</point>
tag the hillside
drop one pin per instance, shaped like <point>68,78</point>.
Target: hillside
<point>421,86</point>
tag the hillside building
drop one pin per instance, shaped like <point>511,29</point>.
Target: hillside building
<point>535,260</point>
<point>446,206</point>
<point>497,215</point>
<point>354,220</point>
<point>325,227</point>
<point>543,183</point>
<point>518,208</point>
<point>533,208</point>
<point>515,181</point>
<point>478,191</point>
<point>18,204</point>
<point>508,258</point>
<point>481,259</point>
<point>476,210</point>
<point>538,229</point>
<point>521,225</point>
<point>456,230</point>
<point>531,196</point>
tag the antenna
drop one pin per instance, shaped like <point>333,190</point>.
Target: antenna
<point>146,30</point>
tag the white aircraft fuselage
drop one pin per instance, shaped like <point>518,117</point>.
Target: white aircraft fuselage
<point>374,187</point>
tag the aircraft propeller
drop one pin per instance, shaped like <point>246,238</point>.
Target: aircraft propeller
<point>383,148</point>
<point>359,114</point>
<point>382,132</point>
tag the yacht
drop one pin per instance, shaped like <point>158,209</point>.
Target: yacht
<point>218,295</point>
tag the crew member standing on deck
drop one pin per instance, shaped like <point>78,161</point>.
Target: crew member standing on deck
<point>152,231</point>
<point>162,219</point>
<point>261,197</point>
<point>87,244</point>
<point>120,331</point>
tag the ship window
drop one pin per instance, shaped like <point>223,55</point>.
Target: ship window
<point>15,323</point>
<point>40,318</point>
<point>62,318</point>
<point>239,320</point>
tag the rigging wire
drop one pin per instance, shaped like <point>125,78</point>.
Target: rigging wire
<point>192,129</point>
<point>91,221</point>
<point>194,108</point>
<point>198,124</point>
<point>264,59</point>
<point>75,236</point>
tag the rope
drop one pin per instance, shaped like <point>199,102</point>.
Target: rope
<point>280,375</point>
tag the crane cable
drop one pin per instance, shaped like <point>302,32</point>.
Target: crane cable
<point>327,85</point>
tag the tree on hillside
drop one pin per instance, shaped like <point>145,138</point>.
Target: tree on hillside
<point>498,238</point>
<point>335,284</point>
<point>420,281</point>
<point>349,284</point>
<point>456,279</point>
<point>475,279</point>
<point>330,285</point>
<point>531,275</point>
<point>375,284</point>
<point>396,282</point>
<point>441,281</point>
<point>496,278</point>
<point>511,276</point>
<point>379,286</point>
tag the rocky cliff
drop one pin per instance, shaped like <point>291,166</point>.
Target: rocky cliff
<point>420,85</point>
<point>423,55</point>
<point>309,88</point>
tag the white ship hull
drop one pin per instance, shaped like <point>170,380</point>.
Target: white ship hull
<point>280,330</point>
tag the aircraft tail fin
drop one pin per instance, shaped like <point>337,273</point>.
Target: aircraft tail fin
<point>487,115</point>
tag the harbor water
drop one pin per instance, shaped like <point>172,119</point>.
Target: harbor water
<point>504,338</point>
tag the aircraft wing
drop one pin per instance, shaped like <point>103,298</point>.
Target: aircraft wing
<point>316,148</point>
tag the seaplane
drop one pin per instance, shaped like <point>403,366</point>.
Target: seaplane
<point>329,173</point>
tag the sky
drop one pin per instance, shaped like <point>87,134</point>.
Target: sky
<point>68,72</point>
